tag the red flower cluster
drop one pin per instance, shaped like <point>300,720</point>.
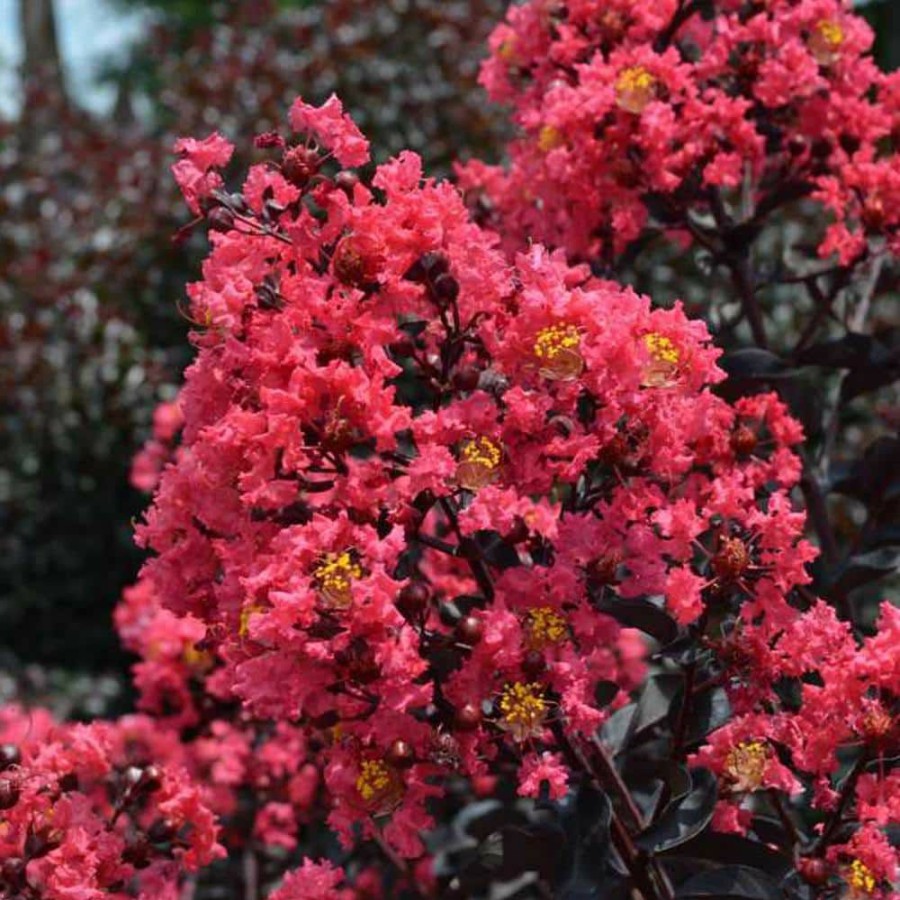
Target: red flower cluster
<point>414,480</point>
<point>88,811</point>
<point>675,111</point>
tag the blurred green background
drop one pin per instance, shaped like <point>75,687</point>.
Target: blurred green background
<point>92,95</point>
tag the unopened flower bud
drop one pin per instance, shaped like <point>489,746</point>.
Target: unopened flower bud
<point>220,219</point>
<point>413,599</point>
<point>468,717</point>
<point>10,755</point>
<point>470,630</point>
<point>400,755</point>
<point>9,793</point>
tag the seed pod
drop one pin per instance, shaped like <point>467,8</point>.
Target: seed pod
<point>220,219</point>
<point>466,378</point>
<point>299,165</point>
<point>413,599</point>
<point>468,717</point>
<point>9,793</point>
<point>400,755</point>
<point>446,288</point>
<point>10,755</point>
<point>534,664</point>
<point>470,630</point>
<point>346,181</point>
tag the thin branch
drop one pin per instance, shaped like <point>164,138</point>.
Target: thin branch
<point>786,819</point>
<point>250,871</point>
<point>480,571</point>
<point>837,814</point>
<point>818,515</point>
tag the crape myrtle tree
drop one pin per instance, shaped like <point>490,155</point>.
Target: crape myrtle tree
<point>533,595</point>
<point>475,574</point>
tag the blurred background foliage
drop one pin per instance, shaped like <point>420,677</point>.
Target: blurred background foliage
<point>90,277</point>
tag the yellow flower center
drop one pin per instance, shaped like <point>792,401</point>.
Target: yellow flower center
<point>826,41</point>
<point>745,765</point>
<point>662,349</point>
<point>731,560</point>
<point>508,52</point>
<point>523,709</point>
<point>635,89</point>
<point>877,722</point>
<point>557,351</point>
<point>334,577</point>
<point>197,660</point>
<point>479,463</point>
<point>549,138</point>
<point>246,612</point>
<point>378,785</point>
<point>861,879</point>
<point>544,626</point>
<point>664,360</point>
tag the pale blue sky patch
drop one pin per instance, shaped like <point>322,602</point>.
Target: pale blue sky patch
<point>91,33</point>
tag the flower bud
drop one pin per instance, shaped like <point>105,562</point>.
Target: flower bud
<point>346,181</point>
<point>10,755</point>
<point>470,630</point>
<point>12,872</point>
<point>299,165</point>
<point>160,831</point>
<point>466,378</point>
<point>400,755</point>
<point>413,599</point>
<point>518,533</point>
<point>534,664</point>
<point>468,717</point>
<point>9,793</point>
<point>152,780</point>
<point>814,871</point>
<point>132,776</point>
<point>743,440</point>
<point>220,219</point>
<point>446,288</point>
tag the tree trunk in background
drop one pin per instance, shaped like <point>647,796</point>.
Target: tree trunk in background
<point>43,78</point>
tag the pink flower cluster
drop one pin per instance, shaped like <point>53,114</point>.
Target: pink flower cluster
<point>226,751</point>
<point>414,480</point>
<point>100,810</point>
<point>829,734</point>
<point>634,115</point>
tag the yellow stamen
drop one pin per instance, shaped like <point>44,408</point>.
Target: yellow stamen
<point>549,138</point>
<point>335,575</point>
<point>877,723</point>
<point>523,710</point>
<point>826,41</point>
<point>557,351</point>
<point>246,612</point>
<point>861,879</point>
<point>635,89</point>
<point>378,785</point>
<point>664,360</point>
<point>544,627</point>
<point>479,463</point>
<point>731,560</point>
<point>197,660</point>
<point>746,764</point>
<point>508,51</point>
